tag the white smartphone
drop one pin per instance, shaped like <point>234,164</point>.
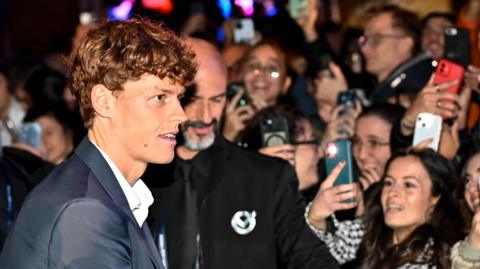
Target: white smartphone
<point>243,31</point>
<point>428,126</point>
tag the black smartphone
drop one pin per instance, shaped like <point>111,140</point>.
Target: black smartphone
<point>233,88</point>
<point>274,131</point>
<point>457,45</point>
<point>335,152</point>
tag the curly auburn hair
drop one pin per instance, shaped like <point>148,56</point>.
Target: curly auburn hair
<point>117,51</point>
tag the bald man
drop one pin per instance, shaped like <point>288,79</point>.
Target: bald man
<point>221,206</point>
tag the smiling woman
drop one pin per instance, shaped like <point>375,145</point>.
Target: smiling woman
<point>412,222</point>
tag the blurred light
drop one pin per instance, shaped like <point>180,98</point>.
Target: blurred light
<point>220,34</point>
<point>331,150</point>
<point>246,6</point>
<point>226,8</point>
<point>270,8</point>
<point>163,6</point>
<point>122,11</point>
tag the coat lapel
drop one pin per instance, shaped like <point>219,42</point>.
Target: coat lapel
<point>100,168</point>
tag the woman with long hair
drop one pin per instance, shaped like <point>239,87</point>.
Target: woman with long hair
<point>412,221</point>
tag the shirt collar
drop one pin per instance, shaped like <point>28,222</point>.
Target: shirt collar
<point>138,196</point>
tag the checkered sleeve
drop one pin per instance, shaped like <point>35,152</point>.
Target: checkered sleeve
<point>344,242</point>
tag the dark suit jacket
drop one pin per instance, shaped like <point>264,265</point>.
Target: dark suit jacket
<point>235,180</point>
<point>78,217</point>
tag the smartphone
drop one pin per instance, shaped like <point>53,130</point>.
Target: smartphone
<point>233,88</point>
<point>428,126</point>
<point>449,71</point>
<point>347,98</point>
<point>298,8</point>
<point>457,45</point>
<point>31,134</point>
<point>243,31</point>
<point>335,152</point>
<point>274,131</point>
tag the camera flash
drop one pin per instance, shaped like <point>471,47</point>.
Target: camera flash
<point>331,150</point>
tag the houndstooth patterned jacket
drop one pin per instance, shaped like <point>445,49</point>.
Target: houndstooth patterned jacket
<point>344,242</point>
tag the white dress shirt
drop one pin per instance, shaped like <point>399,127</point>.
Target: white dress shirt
<point>138,196</point>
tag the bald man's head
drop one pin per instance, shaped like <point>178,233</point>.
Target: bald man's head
<point>205,107</point>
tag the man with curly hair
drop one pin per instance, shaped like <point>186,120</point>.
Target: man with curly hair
<point>90,211</point>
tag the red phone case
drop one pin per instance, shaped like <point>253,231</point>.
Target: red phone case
<point>449,71</point>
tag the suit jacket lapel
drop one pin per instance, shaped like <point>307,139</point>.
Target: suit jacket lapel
<point>99,167</point>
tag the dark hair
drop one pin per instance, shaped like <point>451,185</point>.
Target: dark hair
<point>117,51</point>
<point>443,15</point>
<point>387,112</point>
<point>45,85</point>
<point>406,21</point>
<point>444,227</point>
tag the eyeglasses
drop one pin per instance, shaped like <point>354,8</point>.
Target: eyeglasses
<point>374,39</point>
<point>308,142</point>
<point>257,69</point>
<point>371,144</point>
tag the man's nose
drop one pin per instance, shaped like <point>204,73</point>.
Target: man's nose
<point>178,116</point>
<point>205,112</point>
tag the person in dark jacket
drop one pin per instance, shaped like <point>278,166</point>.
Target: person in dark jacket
<point>20,171</point>
<point>221,206</point>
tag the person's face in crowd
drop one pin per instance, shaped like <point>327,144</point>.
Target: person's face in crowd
<point>145,119</point>
<point>206,107</point>
<point>433,39</point>
<point>306,152</point>
<point>24,98</point>
<point>406,197</point>
<point>384,47</point>
<point>264,75</point>
<point>4,95</point>
<point>371,143</point>
<point>57,142</point>
<point>472,176</point>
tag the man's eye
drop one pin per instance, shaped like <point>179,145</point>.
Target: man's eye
<point>181,96</point>
<point>159,98</point>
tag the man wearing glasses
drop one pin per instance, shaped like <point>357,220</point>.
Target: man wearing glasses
<point>391,47</point>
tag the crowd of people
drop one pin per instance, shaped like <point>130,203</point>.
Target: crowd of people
<point>182,124</point>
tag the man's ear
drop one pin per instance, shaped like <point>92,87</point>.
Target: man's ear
<point>286,85</point>
<point>103,101</point>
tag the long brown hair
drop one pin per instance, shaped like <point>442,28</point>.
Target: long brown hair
<point>444,228</point>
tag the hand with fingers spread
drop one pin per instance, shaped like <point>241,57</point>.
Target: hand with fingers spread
<point>236,116</point>
<point>432,99</point>
<point>331,198</point>
<point>286,152</point>
<point>472,78</point>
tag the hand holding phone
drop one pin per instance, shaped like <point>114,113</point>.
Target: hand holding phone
<point>448,71</point>
<point>427,126</point>
<point>336,152</point>
<point>233,88</point>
